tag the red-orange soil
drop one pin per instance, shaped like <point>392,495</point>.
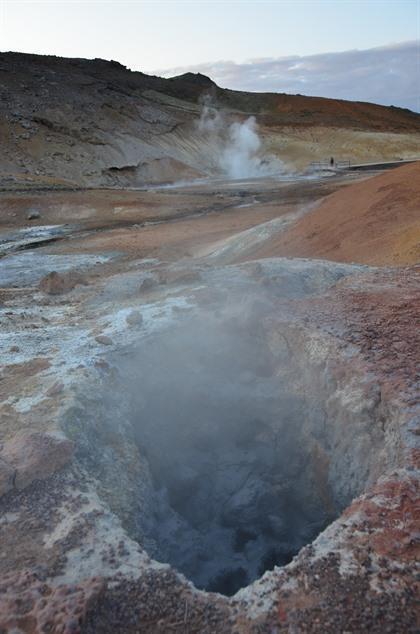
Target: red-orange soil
<point>376,221</point>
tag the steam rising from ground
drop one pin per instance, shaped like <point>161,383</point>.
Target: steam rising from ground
<point>222,437</point>
<point>239,148</point>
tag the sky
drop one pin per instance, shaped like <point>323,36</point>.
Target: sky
<point>240,43</point>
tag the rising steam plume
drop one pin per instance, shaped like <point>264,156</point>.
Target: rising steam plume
<point>239,147</point>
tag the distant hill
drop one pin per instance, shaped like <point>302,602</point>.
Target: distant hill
<point>79,122</point>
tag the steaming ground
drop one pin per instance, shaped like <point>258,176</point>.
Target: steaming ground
<point>168,223</point>
<point>127,129</point>
<point>169,398</point>
<point>181,407</point>
<point>238,148</point>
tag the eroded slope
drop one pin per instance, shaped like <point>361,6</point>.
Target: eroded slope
<point>73,122</point>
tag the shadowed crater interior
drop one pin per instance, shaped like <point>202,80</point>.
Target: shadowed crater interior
<point>247,450</point>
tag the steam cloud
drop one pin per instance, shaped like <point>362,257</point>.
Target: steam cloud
<point>239,147</point>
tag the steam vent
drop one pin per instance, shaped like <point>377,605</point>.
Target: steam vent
<point>210,415</point>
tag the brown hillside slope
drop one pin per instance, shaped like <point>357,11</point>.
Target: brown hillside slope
<point>95,123</point>
<point>376,221</point>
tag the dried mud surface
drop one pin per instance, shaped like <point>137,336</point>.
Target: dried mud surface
<point>132,265</point>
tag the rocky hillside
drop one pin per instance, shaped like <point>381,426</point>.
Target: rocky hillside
<point>76,122</point>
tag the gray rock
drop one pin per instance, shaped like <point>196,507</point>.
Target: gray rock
<point>33,215</point>
<point>104,340</point>
<point>147,284</point>
<point>135,318</point>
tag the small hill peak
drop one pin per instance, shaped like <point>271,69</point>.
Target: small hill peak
<point>195,78</point>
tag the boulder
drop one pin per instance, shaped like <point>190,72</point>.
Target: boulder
<point>58,283</point>
<point>135,318</point>
<point>104,340</point>
<point>33,215</point>
<point>147,284</point>
<point>30,456</point>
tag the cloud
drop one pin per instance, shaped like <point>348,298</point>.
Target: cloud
<point>389,75</point>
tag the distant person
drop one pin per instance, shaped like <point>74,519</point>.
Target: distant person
<point>332,161</point>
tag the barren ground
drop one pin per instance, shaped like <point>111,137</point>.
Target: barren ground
<point>376,221</point>
<point>293,383</point>
<point>74,122</point>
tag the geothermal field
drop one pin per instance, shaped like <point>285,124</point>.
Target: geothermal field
<point>210,338</point>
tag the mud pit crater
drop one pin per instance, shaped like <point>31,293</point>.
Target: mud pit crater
<point>225,446</point>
